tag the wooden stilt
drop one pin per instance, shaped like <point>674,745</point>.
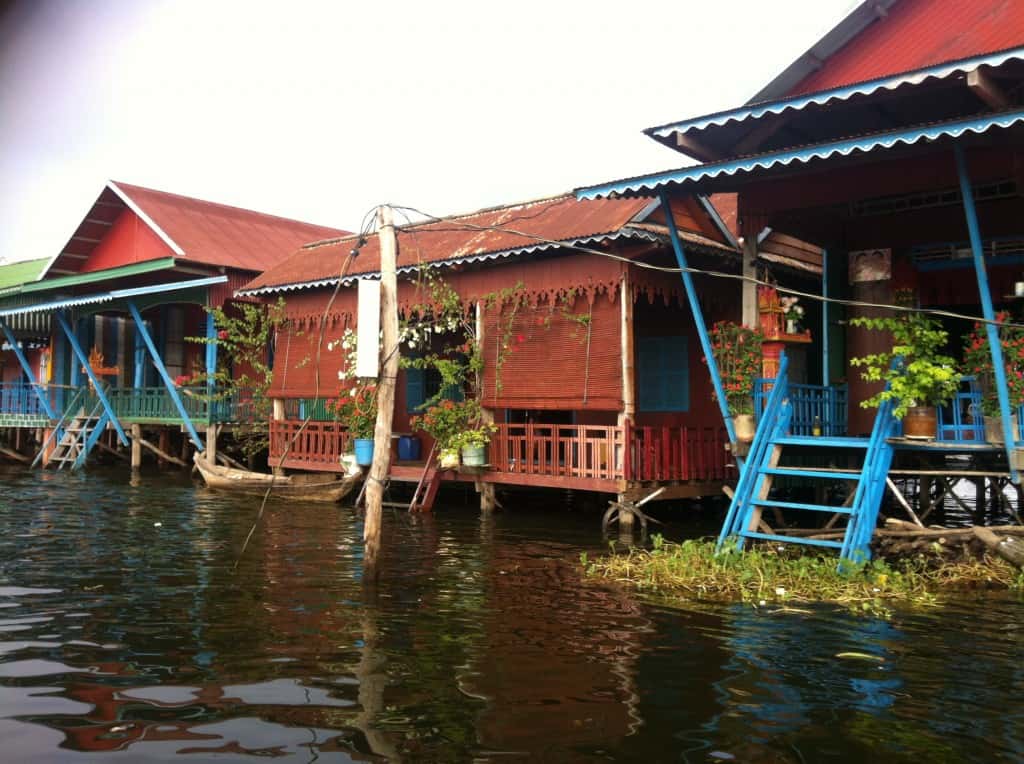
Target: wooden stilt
<point>164,441</point>
<point>136,433</point>
<point>211,443</point>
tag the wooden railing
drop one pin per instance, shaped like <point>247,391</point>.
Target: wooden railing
<point>678,453</point>
<point>570,450</point>
<point>320,443</point>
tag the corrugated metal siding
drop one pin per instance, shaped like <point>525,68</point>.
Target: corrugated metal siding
<point>920,33</point>
<point>552,360</point>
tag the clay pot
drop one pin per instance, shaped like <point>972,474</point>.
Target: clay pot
<point>921,423</point>
<point>743,424</point>
<point>994,428</point>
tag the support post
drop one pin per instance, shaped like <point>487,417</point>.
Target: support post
<point>988,311</point>
<point>488,500</point>
<point>27,368</point>
<point>140,362</point>
<point>277,413</point>
<point>824,320</point>
<point>81,358</point>
<point>749,294</point>
<point>385,391</point>
<point>626,341</point>
<point>136,430</point>
<point>698,317</point>
<point>140,326</point>
<point>212,430</point>
<point>211,352</point>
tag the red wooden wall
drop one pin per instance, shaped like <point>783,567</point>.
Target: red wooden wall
<point>129,240</point>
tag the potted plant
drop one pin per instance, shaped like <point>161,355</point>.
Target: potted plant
<point>472,444</point>
<point>444,422</point>
<point>918,376</point>
<point>978,362</point>
<point>357,410</point>
<point>737,352</point>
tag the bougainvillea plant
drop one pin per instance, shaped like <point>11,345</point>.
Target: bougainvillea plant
<point>737,351</point>
<point>357,409</point>
<point>978,362</point>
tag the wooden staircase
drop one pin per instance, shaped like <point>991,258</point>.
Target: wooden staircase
<point>76,434</point>
<point>766,462</point>
<point>427,487</point>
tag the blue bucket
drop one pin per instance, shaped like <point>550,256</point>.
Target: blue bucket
<point>408,448</point>
<point>364,451</point>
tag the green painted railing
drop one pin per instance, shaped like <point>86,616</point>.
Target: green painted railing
<point>154,405</point>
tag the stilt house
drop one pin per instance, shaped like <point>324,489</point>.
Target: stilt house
<point>895,145</point>
<point>600,384</point>
<point>95,336</point>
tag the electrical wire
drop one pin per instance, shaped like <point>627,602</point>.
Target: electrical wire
<point>461,225</point>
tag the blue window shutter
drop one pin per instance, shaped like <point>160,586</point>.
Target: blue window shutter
<point>415,390</point>
<point>663,374</point>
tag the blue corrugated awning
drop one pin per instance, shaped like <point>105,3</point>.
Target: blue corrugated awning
<point>111,296</point>
<point>692,177</point>
<point>755,111</point>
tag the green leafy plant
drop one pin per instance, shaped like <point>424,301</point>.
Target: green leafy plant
<point>978,361</point>
<point>474,437</point>
<point>917,373</point>
<point>243,374</point>
<point>737,351</point>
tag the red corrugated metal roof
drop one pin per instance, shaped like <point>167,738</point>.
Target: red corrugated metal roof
<point>217,234</point>
<point>180,226</point>
<point>561,219</point>
<point>920,33</point>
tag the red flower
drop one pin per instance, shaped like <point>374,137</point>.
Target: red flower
<point>222,334</point>
<point>520,339</point>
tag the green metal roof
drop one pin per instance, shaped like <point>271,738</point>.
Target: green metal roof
<point>22,272</point>
<point>62,282</point>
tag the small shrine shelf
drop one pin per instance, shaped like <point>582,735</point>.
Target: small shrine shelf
<point>772,316</point>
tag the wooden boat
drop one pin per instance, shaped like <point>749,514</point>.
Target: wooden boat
<point>298,487</point>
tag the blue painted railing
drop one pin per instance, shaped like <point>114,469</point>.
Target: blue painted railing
<point>20,399</point>
<point>961,420</point>
<point>829,404</point>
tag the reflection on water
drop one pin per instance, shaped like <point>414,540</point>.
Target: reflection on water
<point>121,639</point>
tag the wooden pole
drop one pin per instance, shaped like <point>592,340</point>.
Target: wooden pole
<point>278,415</point>
<point>486,490</point>
<point>749,288</point>
<point>211,442</point>
<point>385,390</point>
<point>136,446</point>
<point>628,413</point>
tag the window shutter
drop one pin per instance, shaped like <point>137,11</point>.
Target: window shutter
<point>415,390</point>
<point>663,369</point>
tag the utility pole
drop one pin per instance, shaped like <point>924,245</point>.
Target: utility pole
<point>385,389</point>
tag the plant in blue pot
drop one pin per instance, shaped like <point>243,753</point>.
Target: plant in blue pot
<point>357,410</point>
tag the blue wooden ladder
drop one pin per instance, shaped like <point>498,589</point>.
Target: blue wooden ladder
<point>765,462</point>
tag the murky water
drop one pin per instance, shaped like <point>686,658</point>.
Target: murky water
<point>127,633</point>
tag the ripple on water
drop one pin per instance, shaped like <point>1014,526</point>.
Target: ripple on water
<point>481,642</point>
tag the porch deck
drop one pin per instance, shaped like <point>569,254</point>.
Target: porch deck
<point>20,405</point>
<point>607,459</point>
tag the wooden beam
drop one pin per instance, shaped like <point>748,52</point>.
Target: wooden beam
<point>987,89</point>
<point>162,454</point>
<point>696,149</point>
<point>756,137</point>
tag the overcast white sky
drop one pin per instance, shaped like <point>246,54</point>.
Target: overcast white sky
<point>321,110</point>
